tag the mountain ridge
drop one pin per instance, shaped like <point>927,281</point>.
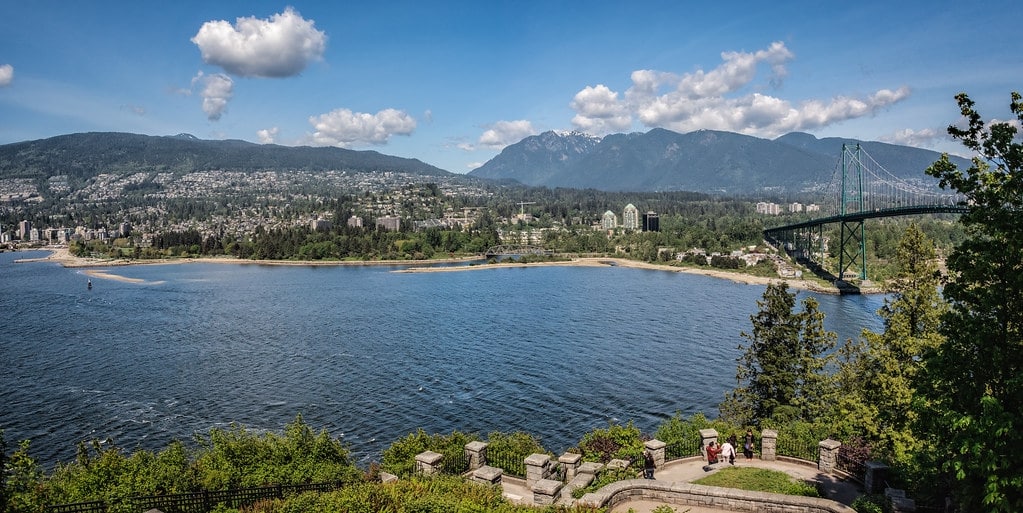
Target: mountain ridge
<point>700,161</point>
<point>89,153</point>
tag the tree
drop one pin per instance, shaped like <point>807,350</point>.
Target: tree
<point>782,375</point>
<point>880,373</point>
<point>971,387</point>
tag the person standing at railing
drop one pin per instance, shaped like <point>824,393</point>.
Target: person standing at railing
<point>648,464</point>
<point>728,450</point>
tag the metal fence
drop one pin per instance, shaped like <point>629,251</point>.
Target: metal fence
<point>512,464</point>
<point>853,467</point>
<point>196,502</point>
<point>809,451</point>
<point>682,449</point>
<point>455,464</point>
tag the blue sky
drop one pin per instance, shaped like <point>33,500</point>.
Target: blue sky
<point>452,83</point>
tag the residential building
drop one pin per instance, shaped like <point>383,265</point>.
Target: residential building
<point>609,221</point>
<point>630,217</point>
<point>651,222</point>
<point>390,223</point>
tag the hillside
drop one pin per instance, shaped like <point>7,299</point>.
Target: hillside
<point>701,161</point>
<point>82,156</point>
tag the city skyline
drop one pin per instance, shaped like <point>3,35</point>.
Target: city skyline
<point>453,83</point>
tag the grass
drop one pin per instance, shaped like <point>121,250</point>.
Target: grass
<point>759,480</point>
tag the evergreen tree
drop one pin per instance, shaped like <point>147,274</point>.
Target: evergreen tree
<point>781,375</point>
<point>972,384</point>
<point>891,360</point>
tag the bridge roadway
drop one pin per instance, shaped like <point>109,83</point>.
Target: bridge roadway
<point>870,214</point>
<point>687,470</point>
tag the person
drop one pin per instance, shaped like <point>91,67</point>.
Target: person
<point>648,464</point>
<point>712,453</point>
<point>728,450</point>
<point>747,446</point>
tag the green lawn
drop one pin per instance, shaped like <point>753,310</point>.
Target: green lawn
<point>759,480</point>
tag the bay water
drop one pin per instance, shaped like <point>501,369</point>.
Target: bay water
<point>364,352</point>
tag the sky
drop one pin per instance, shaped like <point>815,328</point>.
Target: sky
<point>453,83</point>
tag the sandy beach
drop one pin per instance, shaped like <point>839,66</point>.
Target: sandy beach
<point>62,256</point>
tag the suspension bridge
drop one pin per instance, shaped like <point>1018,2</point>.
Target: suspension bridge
<point>860,189</point>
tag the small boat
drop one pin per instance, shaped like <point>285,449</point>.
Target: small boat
<point>90,285</point>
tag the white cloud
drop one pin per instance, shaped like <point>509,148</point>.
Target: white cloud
<point>137,110</point>
<point>342,127</point>
<point>599,111</point>
<point>267,135</point>
<point>714,100</point>
<point>217,90</point>
<point>503,133</point>
<point>6,75</point>
<point>473,165</point>
<point>279,47</point>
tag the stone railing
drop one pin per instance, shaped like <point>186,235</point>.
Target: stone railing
<point>549,487</point>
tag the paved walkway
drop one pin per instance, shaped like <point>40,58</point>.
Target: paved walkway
<point>691,469</point>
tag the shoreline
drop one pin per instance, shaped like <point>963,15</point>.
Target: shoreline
<point>62,256</point>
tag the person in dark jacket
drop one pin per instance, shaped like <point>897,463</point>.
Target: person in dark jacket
<point>747,444</point>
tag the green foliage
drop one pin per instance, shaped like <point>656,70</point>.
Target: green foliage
<point>877,377</point>
<point>869,504</point>
<point>511,450</point>
<point>236,458</point>
<point>970,403</point>
<point>782,373</point>
<point>227,458</point>
<point>400,457</point>
<point>759,480</point>
<point>440,494</point>
<point>20,478</point>
<point>616,441</point>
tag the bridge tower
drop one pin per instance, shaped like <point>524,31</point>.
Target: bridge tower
<point>852,247</point>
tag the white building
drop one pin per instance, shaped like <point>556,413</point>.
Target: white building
<point>630,217</point>
<point>609,221</point>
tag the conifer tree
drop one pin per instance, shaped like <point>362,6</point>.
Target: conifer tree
<point>892,359</point>
<point>782,372</point>
<point>971,387</point>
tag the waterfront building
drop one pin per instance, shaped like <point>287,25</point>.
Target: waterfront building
<point>609,221</point>
<point>651,222</point>
<point>630,217</point>
<point>23,229</point>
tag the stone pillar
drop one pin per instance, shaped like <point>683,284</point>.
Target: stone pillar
<point>545,491</point>
<point>387,477</point>
<point>828,459</point>
<point>429,462</point>
<point>706,437</point>
<point>476,454</point>
<point>538,467</point>
<point>768,445</point>
<point>656,447</point>
<point>490,476</point>
<point>570,461</point>
<point>873,481</point>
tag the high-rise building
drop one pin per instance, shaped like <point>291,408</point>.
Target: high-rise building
<point>24,227</point>
<point>630,217</point>
<point>355,222</point>
<point>609,221</point>
<point>651,222</point>
<point>390,223</point>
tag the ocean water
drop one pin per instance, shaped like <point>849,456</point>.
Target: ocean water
<point>364,352</point>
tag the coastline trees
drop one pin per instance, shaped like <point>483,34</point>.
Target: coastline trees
<point>971,387</point>
<point>781,375</point>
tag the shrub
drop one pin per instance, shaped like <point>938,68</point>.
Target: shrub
<point>400,457</point>
<point>615,441</point>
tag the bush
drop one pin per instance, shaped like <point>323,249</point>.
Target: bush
<point>616,441</point>
<point>400,457</point>
<point>869,504</point>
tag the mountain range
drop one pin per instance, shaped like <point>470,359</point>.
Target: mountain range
<point>659,160</point>
<point>700,161</point>
<point>85,155</point>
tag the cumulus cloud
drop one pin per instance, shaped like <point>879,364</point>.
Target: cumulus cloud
<point>714,100</point>
<point>503,133</point>
<point>342,127</point>
<point>281,46</point>
<point>216,90</point>
<point>267,135</point>
<point>6,75</point>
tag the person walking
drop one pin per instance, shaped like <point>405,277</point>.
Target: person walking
<point>648,464</point>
